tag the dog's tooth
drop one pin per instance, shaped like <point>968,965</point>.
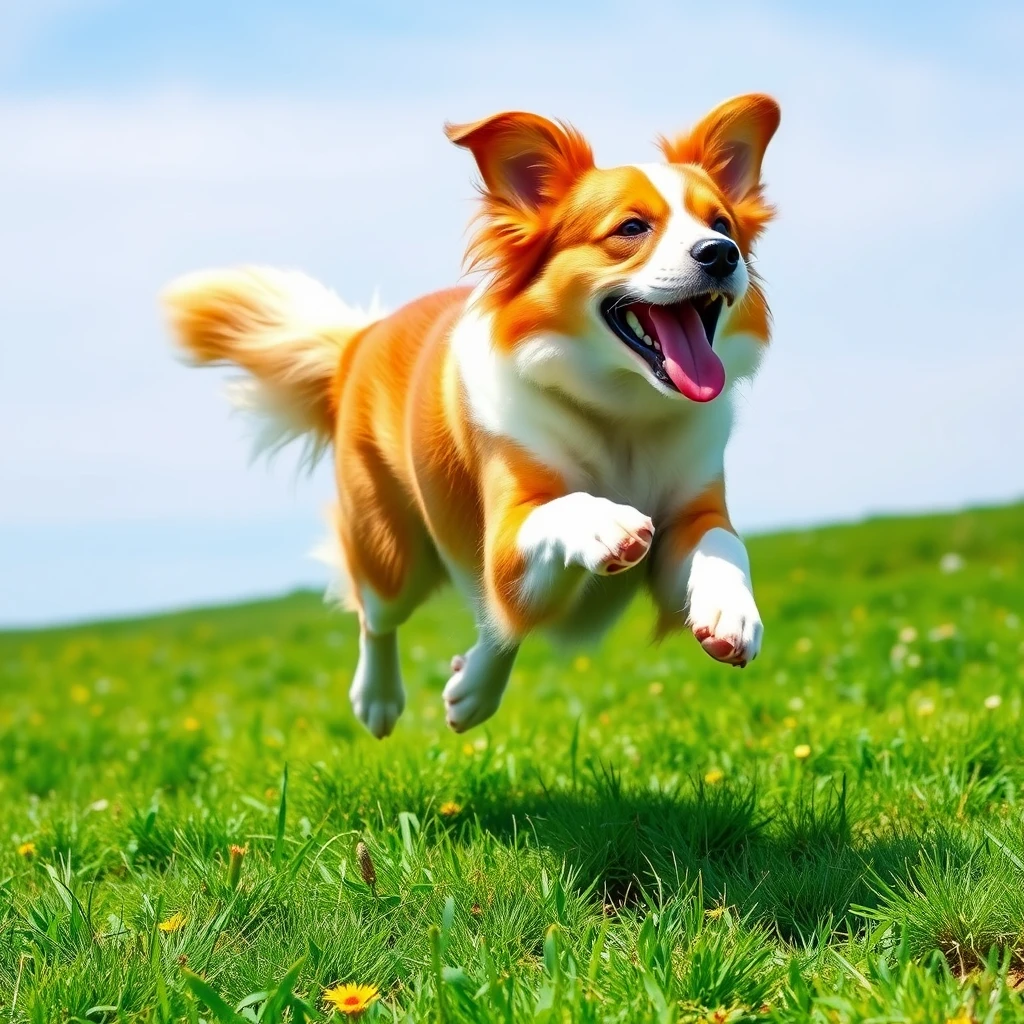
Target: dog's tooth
<point>634,322</point>
<point>647,339</point>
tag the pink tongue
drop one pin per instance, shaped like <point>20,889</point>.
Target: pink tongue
<point>690,361</point>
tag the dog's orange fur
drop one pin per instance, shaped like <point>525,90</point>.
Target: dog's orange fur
<point>423,490</point>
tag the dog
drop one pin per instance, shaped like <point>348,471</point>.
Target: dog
<point>550,440</point>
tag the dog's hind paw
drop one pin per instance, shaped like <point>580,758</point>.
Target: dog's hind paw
<point>474,691</point>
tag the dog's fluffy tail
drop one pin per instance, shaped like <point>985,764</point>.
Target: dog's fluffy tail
<point>287,330</point>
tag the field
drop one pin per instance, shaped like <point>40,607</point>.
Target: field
<point>834,834</point>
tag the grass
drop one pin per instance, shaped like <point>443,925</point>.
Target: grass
<point>834,834</point>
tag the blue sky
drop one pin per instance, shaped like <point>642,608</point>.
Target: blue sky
<point>145,139</point>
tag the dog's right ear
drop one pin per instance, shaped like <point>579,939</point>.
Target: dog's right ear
<point>524,159</point>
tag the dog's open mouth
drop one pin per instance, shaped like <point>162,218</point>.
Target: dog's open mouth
<point>675,341</point>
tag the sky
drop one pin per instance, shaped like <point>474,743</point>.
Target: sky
<point>145,139</point>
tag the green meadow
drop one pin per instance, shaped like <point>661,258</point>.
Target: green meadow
<point>833,834</point>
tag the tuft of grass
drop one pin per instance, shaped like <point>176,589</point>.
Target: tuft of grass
<point>198,830</point>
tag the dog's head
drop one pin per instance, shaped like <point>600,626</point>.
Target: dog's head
<point>598,279</point>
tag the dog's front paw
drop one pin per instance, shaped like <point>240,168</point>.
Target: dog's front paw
<point>724,618</point>
<point>612,538</point>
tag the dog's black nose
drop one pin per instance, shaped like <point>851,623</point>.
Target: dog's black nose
<point>718,256</point>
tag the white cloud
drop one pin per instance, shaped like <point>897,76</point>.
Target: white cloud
<point>892,379</point>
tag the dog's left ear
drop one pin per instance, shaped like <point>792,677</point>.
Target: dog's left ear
<point>729,143</point>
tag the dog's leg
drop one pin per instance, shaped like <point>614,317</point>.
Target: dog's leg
<point>376,693</point>
<point>542,545</point>
<point>701,579</point>
<point>477,682</point>
<point>393,566</point>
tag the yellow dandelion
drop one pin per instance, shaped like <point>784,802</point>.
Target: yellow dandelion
<point>656,687</point>
<point>449,809</point>
<point>962,1019</point>
<point>173,924</point>
<point>802,751</point>
<point>467,749</point>
<point>350,999</point>
<point>79,693</point>
<point>27,849</point>
<point>582,663</point>
<point>714,776</point>
<point>789,722</point>
<point>192,724</point>
<point>993,701</point>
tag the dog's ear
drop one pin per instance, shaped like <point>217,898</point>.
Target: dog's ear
<point>524,159</point>
<point>729,143</point>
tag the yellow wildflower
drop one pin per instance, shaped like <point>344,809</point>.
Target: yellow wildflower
<point>789,722</point>
<point>174,923</point>
<point>802,751</point>
<point>350,999</point>
<point>192,724</point>
<point>79,693</point>
<point>27,849</point>
<point>713,776</point>
<point>926,707</point>
<point>582,663</point>
<point>449,809</point>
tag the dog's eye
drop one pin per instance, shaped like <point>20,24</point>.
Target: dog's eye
<point>631,227</point>
<point>721,225</point>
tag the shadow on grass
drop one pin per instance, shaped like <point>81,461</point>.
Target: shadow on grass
<point>798,869</point>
